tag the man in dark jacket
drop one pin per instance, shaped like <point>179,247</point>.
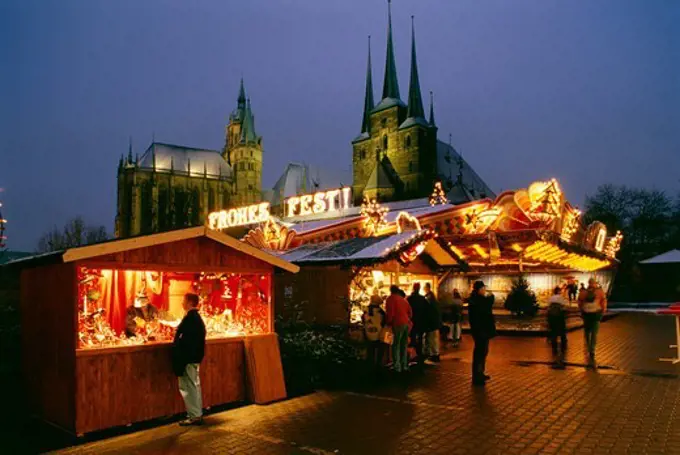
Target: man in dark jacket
<point>419,310</point>
<point>482,328</point>
<point>188,350</point>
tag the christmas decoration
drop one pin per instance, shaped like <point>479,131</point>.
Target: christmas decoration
<point>570,225</point>
<point>613,245</point>
<point>374,216</point>
<point>407,222</point>
<point>546,200</point>
<point>272,235</point>
<point>438,195</point>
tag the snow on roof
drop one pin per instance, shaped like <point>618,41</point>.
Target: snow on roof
<point>669,257</point>
<point>348,250</point>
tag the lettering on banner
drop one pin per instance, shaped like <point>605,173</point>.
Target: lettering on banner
<point>239,216</point>
<point>319,202</point>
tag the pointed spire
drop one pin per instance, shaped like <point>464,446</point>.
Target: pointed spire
<point>120,162</point>
<point>241,96</point>
<point>248,127</point>
<point>390,84</point>
<point>129,159</point>
<point>368,97</point>
<point>415,100</point>
<point>432,109</point>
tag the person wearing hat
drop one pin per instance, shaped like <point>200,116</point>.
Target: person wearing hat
<point>482,328</point>
<point>593,304</point>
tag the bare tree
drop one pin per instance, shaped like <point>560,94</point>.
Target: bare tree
<point>75,233</point>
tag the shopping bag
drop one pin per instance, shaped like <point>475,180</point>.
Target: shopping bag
<point>386,336</point>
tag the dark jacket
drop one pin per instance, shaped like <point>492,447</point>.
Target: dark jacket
<point>433,314</point>
<point>482,322</point>
<point>419,308</point>
<point>189,343</point>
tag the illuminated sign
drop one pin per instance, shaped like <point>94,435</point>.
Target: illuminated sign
<point>250,214</point>
<point>319,202</point>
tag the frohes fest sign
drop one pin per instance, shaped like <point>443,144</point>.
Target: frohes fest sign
<point>306,204</point>
<point>239,216</point>
<point>317,203</point>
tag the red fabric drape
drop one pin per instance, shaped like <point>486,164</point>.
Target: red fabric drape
<point>119,289</point>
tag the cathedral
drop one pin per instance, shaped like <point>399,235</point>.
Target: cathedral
<point>172,186</point>
<point>396,156</point>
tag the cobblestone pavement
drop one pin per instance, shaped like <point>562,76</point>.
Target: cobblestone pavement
<point>630,406</point>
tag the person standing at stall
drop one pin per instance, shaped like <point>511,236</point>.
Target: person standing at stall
<point>557,326</point>
<point>483,328</point>
<point>374,323</point>
<point>398,317</point>
<point>433,324</point>
<point>188,349</point>
<point>419,310</point>
<point>593,304</point>
<point>457,317</point>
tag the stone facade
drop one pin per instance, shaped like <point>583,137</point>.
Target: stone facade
<point>172,186</point>
<point>395,156</point>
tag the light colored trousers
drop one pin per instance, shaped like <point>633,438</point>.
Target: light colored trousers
<point>432,343</point>
<point>190,389</point>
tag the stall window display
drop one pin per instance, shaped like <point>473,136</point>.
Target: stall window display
<point>131,307</point>
<point>374,285</point>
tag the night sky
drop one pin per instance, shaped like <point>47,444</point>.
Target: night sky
<point>585,91</point>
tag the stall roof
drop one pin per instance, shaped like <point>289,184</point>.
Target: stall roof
<point>669,257</point>
<point>120,245</point>
<point>365,249</point>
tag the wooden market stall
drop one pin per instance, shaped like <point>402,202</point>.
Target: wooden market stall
<point>98,322</point>
<point>337,279</point>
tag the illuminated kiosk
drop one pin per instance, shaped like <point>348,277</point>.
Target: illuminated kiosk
<point>98,323</point>
<point>532,231</point>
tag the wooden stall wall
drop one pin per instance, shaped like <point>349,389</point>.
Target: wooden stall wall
<point>197,254</point>
<point>119,386</point>
<point>48,331</point>
<point>322,292</point>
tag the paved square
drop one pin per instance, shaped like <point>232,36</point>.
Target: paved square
<point>630,406</point>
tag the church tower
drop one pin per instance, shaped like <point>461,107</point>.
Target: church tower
<point>243,152</point>
<point>395,156</point>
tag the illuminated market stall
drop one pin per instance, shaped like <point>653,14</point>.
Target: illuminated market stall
<point>534,232</point>
<point>98,322</point>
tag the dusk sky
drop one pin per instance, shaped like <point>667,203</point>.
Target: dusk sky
<point>587,91</point>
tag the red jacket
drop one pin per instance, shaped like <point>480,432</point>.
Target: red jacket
<point>398,311</point>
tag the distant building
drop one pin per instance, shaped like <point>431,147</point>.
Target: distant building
<point>397,154</point>
<point>396,157</point>
<point>173,186</point>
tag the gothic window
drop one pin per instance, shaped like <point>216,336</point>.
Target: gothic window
<point>383,122</point>
<point>181,207</point>
<point>147,207</point>
<point>195,207</point>
<point>250,166</point>
<point>251,153</point>
<point>225,198</point>
<point>384,144</point>
<point>211,199</point>
<point>408,140</point>
<point>362,153</point>
<point>250,187</point>
<point>410,166</point>
<point>163,201</point>
<point>242,166</point>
